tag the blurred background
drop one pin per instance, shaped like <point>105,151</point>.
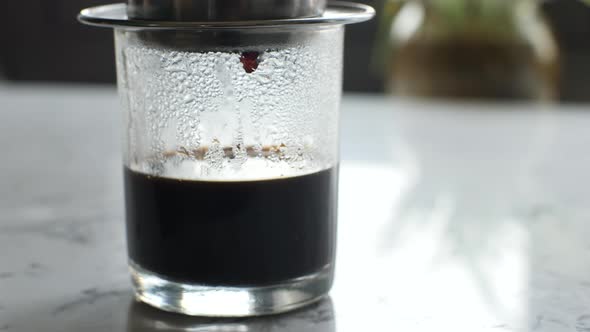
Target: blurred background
<point>50,45</point>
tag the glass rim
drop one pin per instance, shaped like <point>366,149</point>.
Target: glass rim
<point>115,16</point>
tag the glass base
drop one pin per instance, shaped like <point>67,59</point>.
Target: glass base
<point>227,301</point>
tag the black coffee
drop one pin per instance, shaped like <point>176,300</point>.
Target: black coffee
<point>232,233</point>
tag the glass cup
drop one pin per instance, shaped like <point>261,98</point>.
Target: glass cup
<point>230,163</point>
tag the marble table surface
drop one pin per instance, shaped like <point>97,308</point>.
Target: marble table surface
<point>453,217</point>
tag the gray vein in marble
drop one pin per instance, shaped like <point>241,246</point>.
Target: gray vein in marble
<point>73,231</point>
<point>558,322</point>
<point>36,269</point>
<point>89,297</point>
<point>538,322</point>
<point>36,266</point>
<point>5,327</point>
<point>583,323</point>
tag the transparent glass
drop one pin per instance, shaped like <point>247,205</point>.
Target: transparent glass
<point>499,49</point>
<point>231,166</point>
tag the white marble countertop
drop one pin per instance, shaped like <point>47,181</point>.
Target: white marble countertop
<point>453,217</point>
